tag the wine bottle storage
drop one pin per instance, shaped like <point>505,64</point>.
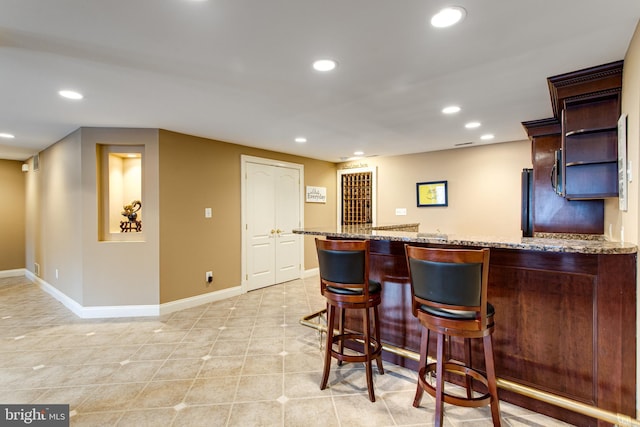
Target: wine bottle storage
<point>356,198</point>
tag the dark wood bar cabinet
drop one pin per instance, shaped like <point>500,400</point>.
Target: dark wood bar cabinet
<point>565,324</point>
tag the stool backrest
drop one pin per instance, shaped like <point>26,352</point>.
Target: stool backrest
<point>344,264</point>
<point>452,282</point>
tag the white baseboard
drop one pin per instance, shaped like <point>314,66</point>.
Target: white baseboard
<point>181,304</point>
<point>56,293</point>
<point>99,312</point>
<point>13,273</point>
<point>310,273</point>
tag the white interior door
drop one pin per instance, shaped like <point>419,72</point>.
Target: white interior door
<point>261,230</point>
<point>272,211</point>
<point>287,217</point>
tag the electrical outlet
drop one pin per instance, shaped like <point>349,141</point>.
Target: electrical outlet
<point>208,277</point>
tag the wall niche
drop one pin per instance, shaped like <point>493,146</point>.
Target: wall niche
<point>120,192</point>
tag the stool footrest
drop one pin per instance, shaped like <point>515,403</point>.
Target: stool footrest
<point>375,351</point>
<point>459,369</point>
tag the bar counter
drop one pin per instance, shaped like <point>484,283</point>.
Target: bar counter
<point>565,312</point>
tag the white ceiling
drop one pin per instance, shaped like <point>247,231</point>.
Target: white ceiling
<point>240,70</point>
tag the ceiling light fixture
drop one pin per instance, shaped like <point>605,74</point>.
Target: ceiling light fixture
<point>325,65</point>
<point>358,153</point>
<point>448,17</point>
<point>487,137</point>
<point>70,94</point>
<point>472,125</point>
<point>300,140</point>
<point>7,135</point>
<point>452,109</point>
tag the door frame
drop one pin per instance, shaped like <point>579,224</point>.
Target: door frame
<point>244,159</point>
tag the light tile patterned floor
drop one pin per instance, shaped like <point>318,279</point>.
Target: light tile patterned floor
<point>245,361</point>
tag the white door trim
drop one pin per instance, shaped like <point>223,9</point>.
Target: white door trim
<point>244,159</point>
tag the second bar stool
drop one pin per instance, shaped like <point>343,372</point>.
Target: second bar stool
<point>344,282</point>
<point>449,297</point>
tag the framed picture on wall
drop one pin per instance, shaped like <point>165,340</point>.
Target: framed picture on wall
<point>433,193</point>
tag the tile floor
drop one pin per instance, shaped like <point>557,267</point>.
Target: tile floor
<point>244,361</point>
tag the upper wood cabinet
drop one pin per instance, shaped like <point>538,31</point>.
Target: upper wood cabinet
<point>578,146</point>
<point>588,105</point>
<point>553,213</point>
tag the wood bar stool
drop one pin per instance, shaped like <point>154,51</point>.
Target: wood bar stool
<point>344,282</point>
<point>449,297</point>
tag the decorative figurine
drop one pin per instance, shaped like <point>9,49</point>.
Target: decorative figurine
<point>131,209</point>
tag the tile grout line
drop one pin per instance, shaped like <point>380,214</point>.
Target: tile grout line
<point>246,352</point>
<point>197,375</point>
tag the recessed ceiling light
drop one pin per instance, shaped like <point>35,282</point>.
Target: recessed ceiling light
<point>452,109</point>
<point>70,94</point>
<point>358,153</point>
<point>6,135</point>
<point>448,17</point>
<point>301,139</point>
<point>324,64</point>
<point>472,125</point>
<point>487,137</point>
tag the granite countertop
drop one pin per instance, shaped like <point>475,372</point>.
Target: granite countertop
<point>561,243</point>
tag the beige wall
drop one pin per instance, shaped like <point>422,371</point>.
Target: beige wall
<point>197,173</point>
<point>60,216</point>
<point>616,220</point>
<point>12,215</point>
<point>483,183</point>
<point>631,107</point>
<point>629,219</point>
<point>62,224</point>
<point>120,272</point>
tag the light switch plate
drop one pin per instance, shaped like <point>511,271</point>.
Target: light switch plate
<point>401,211</point>
<point>207,212</point>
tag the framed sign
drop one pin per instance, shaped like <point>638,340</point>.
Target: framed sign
<point>316,194</point>
<point>432,193</point>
